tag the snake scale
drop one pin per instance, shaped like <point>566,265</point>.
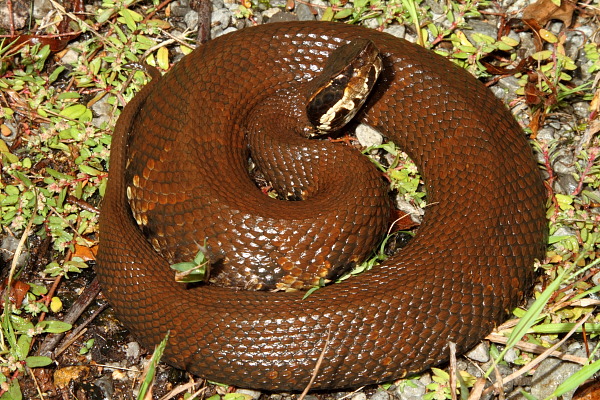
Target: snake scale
<point>469,263</point>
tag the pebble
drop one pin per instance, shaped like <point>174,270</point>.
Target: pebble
<point>64,376</point>
<point>191,20</point>
<point>480,27</point>
<point>480,353</point>
<point>511,356</point>
<point>546,133</point>
<point>102,110</point>
<point>133,350</point>
<point>596,279</point>
<point>42,8</point>
<point>550,374</point>
<point>368,136</point>
<point>413,390</point>
<point>396,30</point>
<point>9,246</point>
<point>252,394</point>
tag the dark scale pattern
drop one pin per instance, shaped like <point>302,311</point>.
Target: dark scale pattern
<point>469,263</point>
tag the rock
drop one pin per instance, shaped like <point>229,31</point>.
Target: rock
<point>368,136</point>
<point>252,394</point>
<point>412,390</point>
<point>480,353</point>
<point>551,373</point>
<point>381,395</point>
<point>359,396</point>
<point>64,376</point>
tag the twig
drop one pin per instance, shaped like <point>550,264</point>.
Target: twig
<point>84,300</point>
<point>182,388</point>
<point>536,349</point>
<point>538,359</point>
<point>317,366</point>
<point>79,331</point>
<point>453,369</point>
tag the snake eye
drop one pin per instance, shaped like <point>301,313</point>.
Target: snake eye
<point>336,95</point>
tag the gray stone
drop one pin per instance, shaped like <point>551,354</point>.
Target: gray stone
<point>480,27</point>
<point>359,396</point>
<point>283,16</point>
<point>368,136</point>
<point>546,133</point>
<point>415,390</point>
<point>132,350</point>
<point>396,30</point>
<point>510,356</point>
<point>549,375</point>
<point>179,8</point>
<point>102,111</point>
<point>480,353</point>
<point>304,12</point>
<point>226,31</point>
<point>41,8</point>
<point>221,17</point>
<point>191,20</point>
<point>9,246</point>
<point>20,15</point>
<point>381,395</point>
<point>254,394</point>
<point>565,184</point>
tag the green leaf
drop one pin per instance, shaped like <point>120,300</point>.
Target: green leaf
<point>74,112</point>
<point>328,14</point>
<point>156,356</point>
<point>22,348</point>
<point>68,95</point>
<point>58,175</point>
<point>162,58</point>
<point>344,13</point>
<point>20,324</point>
<point>129,18</point>
<point>89,170</point>
<point>21,176</point>
<point>13,392</point>
<point>54,75</point>
<point>38,361</point>
<point>52,326</point>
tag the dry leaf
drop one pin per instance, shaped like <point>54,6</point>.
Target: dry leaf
<point>545,10</point>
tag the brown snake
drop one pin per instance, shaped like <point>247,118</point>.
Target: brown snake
<point>469,263</point>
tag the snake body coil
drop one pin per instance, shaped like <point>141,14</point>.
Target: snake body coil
<point>469,263</point>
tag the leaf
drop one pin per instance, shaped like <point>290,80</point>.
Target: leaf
<point>38,361</point>
<point>74,112</point>
<point>20,324</point>
<point>13,392</point>
<point>156,356</point>
<point>52,326</point>
<point>162,58</point>
<point>548,36</point>
<point>543,11</point>
<point>22,348</point>
<point>56,304</point>
<point>344,13</point>
<point>89,170</point>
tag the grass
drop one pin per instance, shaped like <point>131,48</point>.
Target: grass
<point>54,174</point>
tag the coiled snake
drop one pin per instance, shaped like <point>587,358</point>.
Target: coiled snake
<point>469,263</point>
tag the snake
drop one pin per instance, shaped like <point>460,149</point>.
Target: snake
<point>181,142</point>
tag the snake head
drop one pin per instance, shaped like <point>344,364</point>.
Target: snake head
<point>336,95</point>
